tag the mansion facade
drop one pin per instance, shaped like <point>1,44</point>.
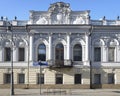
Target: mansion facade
<point>80,52</point>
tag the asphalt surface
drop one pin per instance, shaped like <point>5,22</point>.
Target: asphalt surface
<point>61,92</point>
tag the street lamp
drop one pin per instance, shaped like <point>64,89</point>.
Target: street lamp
<point>9,28</point>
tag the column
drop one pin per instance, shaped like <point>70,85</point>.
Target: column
<point>15,54</point>
<point>50,47</point>
<point>31,47</point>
<point>26,52</point>
<point>1,52</point>
<point>87,47</point>
<point>68,47</point>
<point>104,53</point>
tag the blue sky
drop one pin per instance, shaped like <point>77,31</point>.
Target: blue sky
<point>20,8</point>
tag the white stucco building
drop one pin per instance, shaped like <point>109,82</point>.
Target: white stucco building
<point>80,51</point>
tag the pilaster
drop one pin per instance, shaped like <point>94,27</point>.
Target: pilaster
<point>15,54</point>
<point>31,47</point>
<point>1,52</point>
<point>68,47</point>
<point>87,47</point>
<point>50,47</point>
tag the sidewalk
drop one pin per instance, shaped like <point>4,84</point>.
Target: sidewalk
<point>62,92</point>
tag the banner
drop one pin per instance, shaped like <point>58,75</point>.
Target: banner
<point>40,64</point>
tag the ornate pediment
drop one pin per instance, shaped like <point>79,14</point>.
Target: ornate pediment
<point>59,7</point>
<point>59,12</point>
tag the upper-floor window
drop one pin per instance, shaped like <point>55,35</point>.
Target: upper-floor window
<point>21,54</point>
<point>7,54</point>
<point>97,54</point>
<point>77,52</point>
<point>42,52</point>
<point>59,52</point>
<point>111,54</point>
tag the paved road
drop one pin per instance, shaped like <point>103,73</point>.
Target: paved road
<point>62,92</point>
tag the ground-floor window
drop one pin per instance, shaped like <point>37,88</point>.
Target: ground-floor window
<point>21,78</point>
<point>77,79</point>
<point>59,78</point>
<point>40,78</point>
<point>7,78</point>
<point>111,78</point>
<point>97,78</point>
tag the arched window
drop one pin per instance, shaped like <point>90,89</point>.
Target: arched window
<point>59,52</point>
<point>7,54</point>
<point>77,52</point>
<point>42,52</point>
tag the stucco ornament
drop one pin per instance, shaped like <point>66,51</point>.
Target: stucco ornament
<point>42,20</point>
<point>59,13</point>
<point>79,20</point>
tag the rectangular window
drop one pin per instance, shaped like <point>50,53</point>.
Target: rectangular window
<point>111,54</point>
<point>111,78</point>
<point>97,54</point>
<point>21,54</point>
<point>77,79</point>
<point>59,78</point>
<point>40,78</point>
<point>97,79</point>
<point>21,78</point>
<point>7,78</point>
<point>7,54</point>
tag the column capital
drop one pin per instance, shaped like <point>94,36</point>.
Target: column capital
<point>50,34</point>
<point>31,34</point>
<point>87,33</point>
<point>68,33</point>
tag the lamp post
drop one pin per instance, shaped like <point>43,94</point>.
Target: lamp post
<point>9,28</point>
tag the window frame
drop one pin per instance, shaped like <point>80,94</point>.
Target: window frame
<point>7,80</point>
<point>22,56</point>
<point>97,77</point>
<point>76,81</point>
<point>109,54</point>
<point>42,77</point>
<point>7,54</point>
<point>19,81</point>
<point>59,79</point>
<point>95,55</point>
<point>111,77</point>
<point>41,56</point>
<point>75,50</point>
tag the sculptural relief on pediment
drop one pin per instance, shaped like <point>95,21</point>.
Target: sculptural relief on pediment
<point>79,20</point>
<point>59,13</point>
<point>42,20</point>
